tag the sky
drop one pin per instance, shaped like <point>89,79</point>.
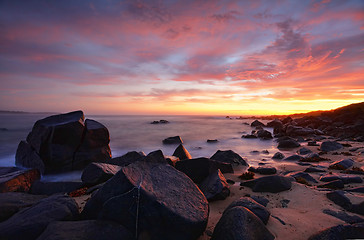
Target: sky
<point>181,57</point>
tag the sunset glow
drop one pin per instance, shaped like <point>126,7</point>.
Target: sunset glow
<point>181,57</point>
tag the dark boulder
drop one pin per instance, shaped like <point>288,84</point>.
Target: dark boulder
<point>85,230</point>
<point>50,188</point>
<point>294,157</point>
<point>342,164</point>
<point>328,146</point>
<point>259,210</point>
<point>342,215</point>
<point>335,184</point>
<point>289,143</point>
<point>304,151</point>
<point>343,177</point>
<point>314,170</point>
<point>182,153</point>
<point>215,187</point>
<point>229,156</point>
<point>127,158</point>
<point>30,222</point>
<point>64,142</point>
<point>257,123</point>
<point>273,184</point>
<point>275,123</point>
<point>96,173</point>
<point>340,232</point>
<point>263,170</point>
<point>164,201</point>
<point>212,141</point>
<point>200,168</point>
<point>264,134</point>
<point>339,198</point>
<point>14,179</point>
<point>27,156</point>
<point>155,157</point>
<point>13,202</point>
<point>299,131</point>
<point>287,120</point>
<point>249,136</point>
<point>300,175</point>
<point>173,140</point>
<point>240,223</point>
<point>278,155</point>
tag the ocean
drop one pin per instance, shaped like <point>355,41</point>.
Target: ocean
<point>135,133</point>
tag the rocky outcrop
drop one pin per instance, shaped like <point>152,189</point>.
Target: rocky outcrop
<point>182,153</point>
<point>154,200</point>
<point>96,173</point>
<point>64,142</point>
<point>257,123</point>
<point>29,223</point>
<point>13,179</point>
<point>328,146</point>
<point>127,158</point>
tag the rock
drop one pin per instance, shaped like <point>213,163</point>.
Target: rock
<point>339,198</point>
<point>160,121</point>
<point>259,210</point>
<point>273,184</point>
<point>347,231</point>
<point>30,222</point>
<point>240,223</point>
<point>261,200</point>
<point>344,178</point>
<point>127,159</point>
<point>299,131</point>
<point>263,170</point>
<point>336,184</point>
<point>356,189</point>
<point>85,230</point>
<point>342,215</point>
<point>257,123</point>
<point>173,140</point>
<point>182,153</point>
<point>290,143</point>
<point>304,175</point>
<point>215,187</point>
<point>229,156</point>
<point>172,160</point>
<point>50,188</point>
<point>287,120</point>
<point>278,155</point>
<point>167,204</point>
<point>312,143</point>
<point>96,173</point>
<point>328,146</point>
<point>27,156</point>
<point>13,202</point>
<point>342,164</point>
<point>304,151</point>
<point>64,142</point>
<point>276,123</point>
<point>212,141</point>
<point>14,179</point>
<point>200,168</point>
<point>314,170</point>
<point>155,157</point>
<point>264,134</point>
<point>294,157</point>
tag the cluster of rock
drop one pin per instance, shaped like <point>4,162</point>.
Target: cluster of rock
<point>63,143</point>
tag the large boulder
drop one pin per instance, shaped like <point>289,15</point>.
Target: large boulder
<point>263,170</point>
<point>328,146</point>
<point>273,184</point>
<point>289,143</point>
<point>299,131</point>
<point>215,187</point>
<point>182,153</point>
<point>64,142</point>
<point>200,168</point>
<point>263,134</point>
<point>127,158</point>
<point>13,202</point>
<point>240,223</point>
<point>154,200</point>
<point>346,231</point>
<point>30,222</point>
<point>173,140</point>
<point>85,230</point>
<point>96,173</point>
<point>342,164</point>
<point>229,156</point>
<point>14,179</point>
<point>259,210</point>
<point>50,188</point>
<point>257,123</point>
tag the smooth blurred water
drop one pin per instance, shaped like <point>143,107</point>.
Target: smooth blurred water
<point>129,133</point>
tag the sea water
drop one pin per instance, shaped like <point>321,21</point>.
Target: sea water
<point>135,133</point>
